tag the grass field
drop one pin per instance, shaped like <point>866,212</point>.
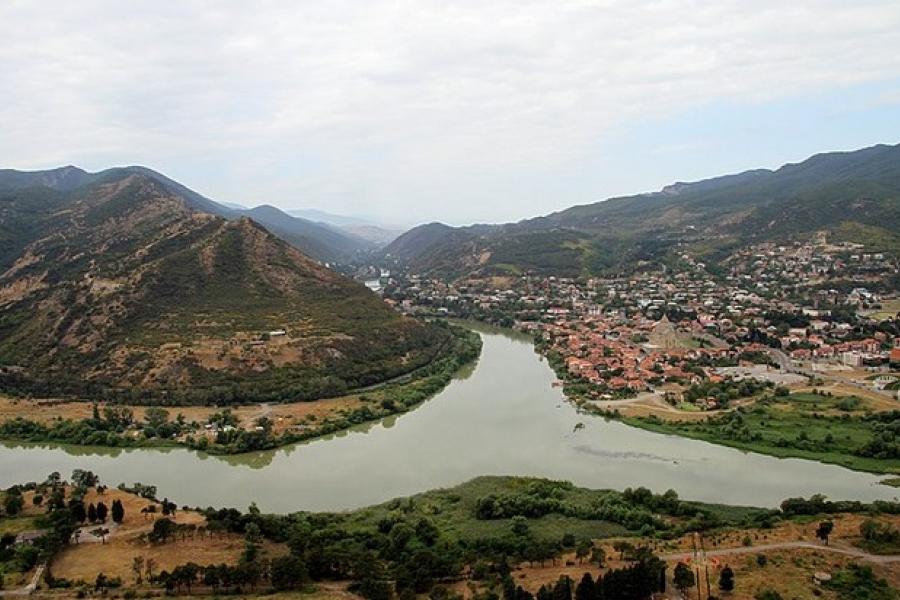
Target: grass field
<point>453,512</point>
<point>888,310</point>
<point>802,425</point>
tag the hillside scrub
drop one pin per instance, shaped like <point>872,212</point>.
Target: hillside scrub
<point>115,426</point>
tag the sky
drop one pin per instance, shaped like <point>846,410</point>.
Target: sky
<point>461,112</point>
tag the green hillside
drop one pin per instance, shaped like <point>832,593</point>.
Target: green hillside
<point>120,288</point>
<point>317,240</point>
<point>854,196</point>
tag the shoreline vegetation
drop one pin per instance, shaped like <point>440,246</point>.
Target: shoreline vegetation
<point>116,426</point>
<point>492,538</point>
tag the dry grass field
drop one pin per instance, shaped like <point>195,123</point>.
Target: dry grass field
<point>83,561</point>
<point>283,415</point>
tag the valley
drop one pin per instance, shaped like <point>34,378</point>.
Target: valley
<point>501,415</point>
<point>177,348</point>
<point>378,300</point>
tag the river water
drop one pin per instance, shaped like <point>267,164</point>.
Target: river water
<point>499,417</point>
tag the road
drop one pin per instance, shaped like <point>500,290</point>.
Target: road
<point>788,366</point>
<point>837,549</point>
<point>28,589</point>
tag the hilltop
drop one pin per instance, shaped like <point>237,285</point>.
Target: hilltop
<point>318,240</point>
<point>851,196</point>
<point>122,284</point>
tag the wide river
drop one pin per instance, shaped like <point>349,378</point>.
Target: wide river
<point>499,417</point>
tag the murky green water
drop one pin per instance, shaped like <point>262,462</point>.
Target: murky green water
<point>499,417</point>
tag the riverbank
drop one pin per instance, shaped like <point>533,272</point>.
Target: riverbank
<point>829,429</point>
<point>845,430</point>
<point>237,429</point>
<point>503,415</point>
<point>467,541</point>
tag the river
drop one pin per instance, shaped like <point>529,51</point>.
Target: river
<point>499,417</point>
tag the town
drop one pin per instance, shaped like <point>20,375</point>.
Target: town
<point>774,314</point>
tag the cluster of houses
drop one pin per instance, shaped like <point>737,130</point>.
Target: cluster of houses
<point>617,333</point>
<point>626,354</point>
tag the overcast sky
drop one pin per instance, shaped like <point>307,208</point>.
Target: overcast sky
<point>453,111</point>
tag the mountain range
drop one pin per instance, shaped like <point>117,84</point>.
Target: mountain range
<point>322,242</point>
<point>125,283</point>
<point>853,196</point>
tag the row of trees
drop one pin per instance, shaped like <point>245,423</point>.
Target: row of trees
<point>96,513</point>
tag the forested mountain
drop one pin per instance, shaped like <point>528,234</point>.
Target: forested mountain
<point>320,241</point>
<point>852,195</point>
<point>121,284</point>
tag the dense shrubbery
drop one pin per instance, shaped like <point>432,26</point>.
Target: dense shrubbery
<point>818,504</point>
<point>725,391</point>
<point>635,509</point>
<point>885,441</point>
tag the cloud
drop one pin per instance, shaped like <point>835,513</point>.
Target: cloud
<point>410,108</point>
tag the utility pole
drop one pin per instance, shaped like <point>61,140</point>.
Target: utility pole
<point>705,566</point>
<point>696,567</point>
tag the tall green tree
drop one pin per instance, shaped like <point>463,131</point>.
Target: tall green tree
<point>118,511</point>
<point>823,531</point>
<point>683,578</point>
<point>102,512</point>
<point>726,579</point>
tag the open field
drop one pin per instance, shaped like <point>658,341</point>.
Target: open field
<point>283,415</point>
<point>888,310</point>
<point>830,429</point>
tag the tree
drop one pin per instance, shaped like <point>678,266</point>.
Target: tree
<point>37,499</point>
<point>287,572</point>
<point>137,567</point>
<point>520,525</point>
<point>563,588</point>
<point>598,555</point>
<point>13,503</point>
<point>726,579</point>
<point>623,548</point>
<point>76,508</point>
<point>823,531</point>
<point>156,417</point>
<point>586,589</point>
<point>101,532</point>
<point>84,479</point>
<point>150,564</point>
<point>162,531</point>
<point>583,550</point>
<point>118,511</point>
<point>92,513</point>
<point>102,511</point>
<point>683,578</point>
